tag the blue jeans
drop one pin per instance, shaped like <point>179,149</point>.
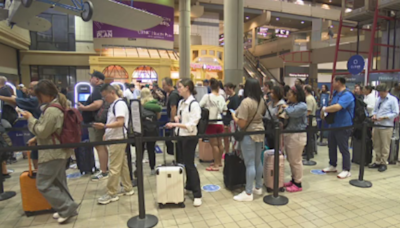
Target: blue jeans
<point>339,138</point>
<point>252,159</point>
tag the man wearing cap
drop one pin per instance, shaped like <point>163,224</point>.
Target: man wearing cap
<point>89,110</point>
<point>385,111</point>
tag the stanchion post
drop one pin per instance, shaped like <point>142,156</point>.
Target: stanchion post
<point>4,195</point>
<point>275,198</point>
<point>310,144</point>
<point>360,182</point>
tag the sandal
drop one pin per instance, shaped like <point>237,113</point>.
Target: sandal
<point>212,169</point>
<point>212,164</point>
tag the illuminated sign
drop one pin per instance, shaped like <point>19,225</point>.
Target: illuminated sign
<point>205,67</point>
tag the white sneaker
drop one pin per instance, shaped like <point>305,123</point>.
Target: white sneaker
<point>197,202</point>
<point>56,215</point>
<point>243,197</point>
<point>330,169</point>
<point>62,220</point>
<point>106,199</point>
<point>122,192</point>
<point>344,174</point>
<point>257,191</point>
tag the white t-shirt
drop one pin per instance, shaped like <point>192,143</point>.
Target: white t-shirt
<point>216,105</point>
<point>128,94</point>
<point>241,93</point>
<point>121,110</point>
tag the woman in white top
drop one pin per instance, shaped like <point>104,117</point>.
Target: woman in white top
<point>221,90</point>
<point>216,105</point>
<point>188,116</point>
<point>369,99</point>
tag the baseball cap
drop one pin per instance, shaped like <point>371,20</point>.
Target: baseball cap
<point>98,75</point>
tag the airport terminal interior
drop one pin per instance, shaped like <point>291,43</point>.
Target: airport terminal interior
<point>144,44</point>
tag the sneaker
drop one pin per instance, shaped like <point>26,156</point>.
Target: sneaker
<point>106,199</point>
<point>257,191</point>
<point>344,174</point>
<point>382,168</point>
<point>62,220</point>
<point>122,192</point>
<point>330,169</point>
<point>56,215</point>
<point>153,172</point>
<point>99,176</point>
<point>243,197</point>
<point>288,184</point>
<point>197,202</point>
<point>374,166</point>
<point>294,188</point>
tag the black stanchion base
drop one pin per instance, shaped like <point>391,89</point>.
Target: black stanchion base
<point>361,183</point>
<point>7,195</point>
<point>276,201</point>
<point>309,163</point>
<point>148,222</point>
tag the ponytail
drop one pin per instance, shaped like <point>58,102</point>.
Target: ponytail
<point>118,91</point>
<point>63,100</point>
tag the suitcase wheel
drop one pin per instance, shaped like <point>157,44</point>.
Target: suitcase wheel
<point>282,189</point>
<point>28,213</point>
<point>182,205</point>
<point>161,206</point>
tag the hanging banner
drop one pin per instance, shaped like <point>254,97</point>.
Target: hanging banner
<point>163,31</point>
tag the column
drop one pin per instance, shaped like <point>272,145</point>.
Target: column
<point>184,39</point>
<point>233,38</point>
<point>254,38</point>
<point>313,75</point>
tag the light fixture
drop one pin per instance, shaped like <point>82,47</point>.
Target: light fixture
<point>247,18</point>
<point>348,10</point>
<point>277,19</point>
<point>302,22</point>
<point>330,0</point>
<point>351,29</point>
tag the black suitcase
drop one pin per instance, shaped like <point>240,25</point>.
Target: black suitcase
<point>234,171</point>
<point>356,156</point>
<point>85,159</point>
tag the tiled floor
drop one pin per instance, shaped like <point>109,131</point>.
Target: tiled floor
<point>325,202</point>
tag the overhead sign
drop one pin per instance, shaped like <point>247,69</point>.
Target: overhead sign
<point>356,64</point>
<point>294,71</point>
<point>163,31</point>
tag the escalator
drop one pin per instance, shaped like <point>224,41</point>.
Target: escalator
<point>251,68</point>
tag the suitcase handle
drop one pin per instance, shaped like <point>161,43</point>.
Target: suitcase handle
<point>30,164</point>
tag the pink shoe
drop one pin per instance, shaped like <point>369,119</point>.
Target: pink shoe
<point>288,184</point>
<point>294,188</point>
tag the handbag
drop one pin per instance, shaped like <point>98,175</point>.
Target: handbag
<point>269,125</point>
<point>240,137</point>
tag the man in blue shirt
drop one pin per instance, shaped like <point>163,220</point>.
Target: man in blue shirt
<point>30,104</point>
<point>385,111</point>
<point>342,106</point>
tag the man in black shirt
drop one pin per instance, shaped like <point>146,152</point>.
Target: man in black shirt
<point>89,110</point>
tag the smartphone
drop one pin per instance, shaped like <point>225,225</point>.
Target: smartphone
<point>232,111</point>
<point>19,110</point>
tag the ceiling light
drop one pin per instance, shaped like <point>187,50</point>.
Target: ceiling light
<point>351,29</point>
<point>348,10</point>
<point>247,18</point>
<point>330,0</point>
<point>277,19</point>
<point>302,22</point>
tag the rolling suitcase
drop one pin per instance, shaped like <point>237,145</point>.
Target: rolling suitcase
<point>234,170</point>
<point>356,156</point>
<point>269,170</point>
<point>170,183</point>
<point>205,151</point>
<point>33,201</point>
<point>394,145</point>
<point>85,159</point>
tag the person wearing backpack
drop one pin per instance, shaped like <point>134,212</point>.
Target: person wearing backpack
<point>115,129</point>
<point>339,114</point>
<point>51,180</point>
<point>186,121</point>
<point>216,105</point>
<point>95,110</point>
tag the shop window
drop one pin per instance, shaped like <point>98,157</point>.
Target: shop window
<point>211,52</point>
<point>195,54</point>
<point>203,52</point>
<point>61,35</point>
<point>219,54</point>
<point>145,74</point>
<point>62,76</point>
<point>115,73</point>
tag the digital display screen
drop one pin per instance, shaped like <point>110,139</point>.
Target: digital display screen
<point>83,97</point>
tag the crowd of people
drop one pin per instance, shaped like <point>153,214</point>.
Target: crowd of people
<point>253,107</point>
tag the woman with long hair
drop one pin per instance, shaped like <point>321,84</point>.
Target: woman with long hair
<point>188,116</point>
<point>51,180</point>
<point>294,144</point>
<point>151,108</point>
<point>216,105</point>
<point>274,105</point>
<point>249,117</point>
<point>233,103</point>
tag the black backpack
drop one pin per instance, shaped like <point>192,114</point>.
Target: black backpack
<point>149,122</point>
<point>9,114</point>
<point>203,122</point>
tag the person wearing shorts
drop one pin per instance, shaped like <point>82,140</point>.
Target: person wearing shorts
<point>216,105</point>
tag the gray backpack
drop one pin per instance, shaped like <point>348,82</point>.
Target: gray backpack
<point>101,114</point>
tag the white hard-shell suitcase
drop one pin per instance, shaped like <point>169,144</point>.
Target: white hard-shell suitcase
<point>170,183</point>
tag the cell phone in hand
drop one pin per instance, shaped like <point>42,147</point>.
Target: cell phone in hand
<point>232,111</point>
<point>19,110</point>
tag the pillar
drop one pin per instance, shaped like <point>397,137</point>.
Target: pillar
<point>313,75</point>
<point>184,39</point>
<point>233,38</point>
<point>254,38</point>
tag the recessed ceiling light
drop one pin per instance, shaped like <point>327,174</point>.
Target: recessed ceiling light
<point>302,22</point>
<point>247,18</point>
<point>330,0</point>
<point>351,29</point>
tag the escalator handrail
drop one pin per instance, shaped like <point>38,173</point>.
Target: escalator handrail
<point>251,57</point>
